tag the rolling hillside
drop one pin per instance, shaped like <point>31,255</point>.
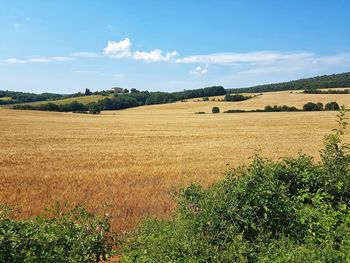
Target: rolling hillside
<point>318,82</point>
<point>81,99</point>
<point>279,98</point>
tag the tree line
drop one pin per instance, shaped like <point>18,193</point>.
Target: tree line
<point>126,100</point>
<point>310,106</point>
<point>318,91</point>
<point>319,82</point>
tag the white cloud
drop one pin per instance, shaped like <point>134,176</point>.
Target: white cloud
<point>199,71</point>
<point>249,57</point>
<point>85,54</point>
<point>60,59</point>
<point>34,60</point>
<point>120,49</point>
<point>154,56</point>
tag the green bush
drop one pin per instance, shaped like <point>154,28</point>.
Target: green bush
<point>293,210</point>
<point>332,106</point>
<point>235,97</point>
<point>310,106</point>
<point>57,236</point>
<point>276,108</point>
<point>215,110</point>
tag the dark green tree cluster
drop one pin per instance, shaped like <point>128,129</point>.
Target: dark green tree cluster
<point>310,106</point>
<point>276,108</point>
<point>73,107</point>
<point>236,97</point>
<point>199,93</point>
<point>22,97</point>
<point>293,210</point>
<point>215,110</point>
<point>319,82</point>
<point>330,91</point>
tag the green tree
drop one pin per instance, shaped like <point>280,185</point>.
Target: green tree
<point>331,106</point>
<point>215,110</point>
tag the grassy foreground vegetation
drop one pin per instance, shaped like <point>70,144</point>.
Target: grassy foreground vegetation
<point>55,236</point>
<point>293,210</point>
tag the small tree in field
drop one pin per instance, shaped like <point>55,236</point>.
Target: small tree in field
<point>331,106</point>
<point>215,110</point>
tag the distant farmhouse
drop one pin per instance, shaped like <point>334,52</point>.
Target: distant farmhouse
<point>117,90</point>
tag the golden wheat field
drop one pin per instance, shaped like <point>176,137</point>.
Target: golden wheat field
<point>133,159</point>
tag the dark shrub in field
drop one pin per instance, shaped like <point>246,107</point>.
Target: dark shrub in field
<point>73,236</point>
<point>310,106</point>
<point>331,106</point>
<point>235,97</point>
<point>293,210</point>
<point>215,110</point>
<point>276,108</point>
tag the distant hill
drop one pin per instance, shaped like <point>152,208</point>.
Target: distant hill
<point>17,97</point>
<point>341,80</point>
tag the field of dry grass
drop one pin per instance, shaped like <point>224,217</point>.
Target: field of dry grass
<point>82,99</point>
<point>6,98</point>
<point>133,159</point>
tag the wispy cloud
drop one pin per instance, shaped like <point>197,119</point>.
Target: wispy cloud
<point>122,49</point>
<point>34,60</point>
<point>199,71</point>
<point>16,26</point>
<point>250,57</point>
<point>85,54</point>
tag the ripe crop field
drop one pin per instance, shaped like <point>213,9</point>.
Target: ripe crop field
<point>6,98</point>
<point>133,159</point>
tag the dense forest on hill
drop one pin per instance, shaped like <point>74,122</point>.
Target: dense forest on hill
<point>325,81</point>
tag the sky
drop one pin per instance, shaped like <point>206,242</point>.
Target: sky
<point>65,46</point>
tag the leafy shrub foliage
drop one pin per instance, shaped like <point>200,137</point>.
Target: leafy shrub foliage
<point>318,91</point>
<point>310,106</point>
<point>293,210</point>
<point>215,110</point>
<point>276,108</point>
<point>73,106</point>
<point>58,236</point>
<point>235,97</point>
<point>332,106</point>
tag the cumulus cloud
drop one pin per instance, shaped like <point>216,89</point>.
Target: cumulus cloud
<point>199,71</point>
<point>153,56</point>
<point>118,49</point>
<point>122,49</point>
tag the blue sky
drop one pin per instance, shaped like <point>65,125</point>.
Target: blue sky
<point>67,46</point>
